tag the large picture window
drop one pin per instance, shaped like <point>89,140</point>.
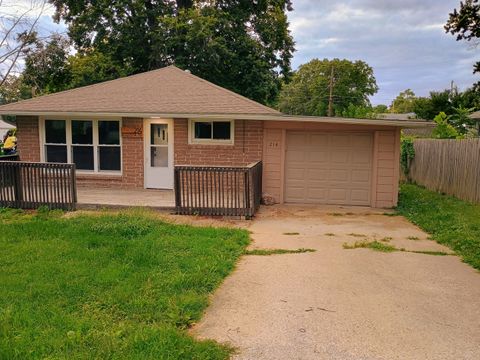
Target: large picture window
<point>211,132</point>
<point>93,145</point>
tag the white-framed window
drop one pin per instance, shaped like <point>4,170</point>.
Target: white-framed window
<point>212,132</point>
<point>94,145</point>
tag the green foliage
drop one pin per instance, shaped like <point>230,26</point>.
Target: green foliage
<point>244,46</point>
<point>92,67</point>
<point>444,130</point>
<point>407,154</point>
<point>46,69</point>
<point>108,286</point>
<point>267,252</point>
<point>374,245</point>
<point>363,112</point>
<point>460,119</point>
<point>454,104</point>
<point>14,89</point>
<point>308,92</point>
<point>450,221</point>
<point>465,24</point>
<point>404,103</point>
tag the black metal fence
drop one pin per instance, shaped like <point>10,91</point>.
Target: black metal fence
<point>218,190</point>
<point>28,185</point>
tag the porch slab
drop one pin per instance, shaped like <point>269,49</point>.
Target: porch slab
<point>89,197</point>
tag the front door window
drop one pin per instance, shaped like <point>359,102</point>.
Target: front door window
<point>159,145</point>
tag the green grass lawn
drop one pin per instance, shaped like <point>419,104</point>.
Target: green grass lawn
<point>452,222</point>
<point>108,286</point>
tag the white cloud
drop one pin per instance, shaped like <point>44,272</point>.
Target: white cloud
<point>404,41</point>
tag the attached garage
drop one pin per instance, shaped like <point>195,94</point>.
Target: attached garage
<point>314,160</point>
<point>328,168</point>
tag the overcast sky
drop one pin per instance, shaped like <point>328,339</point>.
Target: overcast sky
<point>403,40</point>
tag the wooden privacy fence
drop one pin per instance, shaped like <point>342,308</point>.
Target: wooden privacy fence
<point>28,185</point>
<point>448,166</point>
<point>218,191</point>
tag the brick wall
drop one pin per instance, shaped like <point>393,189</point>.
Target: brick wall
<point>28,138</point>
<point>247,148</point>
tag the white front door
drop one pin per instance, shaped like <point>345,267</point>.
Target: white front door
<point>158,154</point>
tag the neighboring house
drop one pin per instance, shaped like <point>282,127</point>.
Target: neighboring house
<point>4,127</point>
<point>131,132</point>
<point>393,116</point>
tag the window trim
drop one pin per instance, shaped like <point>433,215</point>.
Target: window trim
<point>96,145</point>
<point>193,141</point>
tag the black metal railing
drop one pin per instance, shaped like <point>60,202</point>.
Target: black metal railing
<point>27,185</point>
<point>218,190</point>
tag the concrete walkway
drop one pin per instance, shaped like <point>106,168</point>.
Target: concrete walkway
<point>337,303</point>
<point>90,197</point>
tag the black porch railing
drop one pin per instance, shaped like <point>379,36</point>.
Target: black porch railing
<point>28,185</point>
<point>218,190</point>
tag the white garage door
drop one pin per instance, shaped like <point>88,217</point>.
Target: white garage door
<point>328,168</point>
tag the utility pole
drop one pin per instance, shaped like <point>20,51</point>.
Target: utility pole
<point>330,97</point>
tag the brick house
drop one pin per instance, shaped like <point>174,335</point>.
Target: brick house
<point>132,132</point>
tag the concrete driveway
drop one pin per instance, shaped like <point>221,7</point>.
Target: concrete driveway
<point>337,303</point>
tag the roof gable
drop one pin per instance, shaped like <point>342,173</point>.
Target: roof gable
<point>168,90</point>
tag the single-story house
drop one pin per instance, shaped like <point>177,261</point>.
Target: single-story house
<point>131,133</point>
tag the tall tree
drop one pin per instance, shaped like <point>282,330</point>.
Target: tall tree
<point>320,83</point>
<point>245,46</point>
<point>465,24</point>
<point>404,103</point>
<point>46,68</point>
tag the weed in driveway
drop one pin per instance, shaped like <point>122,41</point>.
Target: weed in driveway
<point>390,214</point>
<point>291,233</point>
<point>336,214</point>
<point>266,252</point>
<point>357,235</point>
<point>374,245</point>
<point>329,234</point>
<point>412,238</point>
<point>378,246</point>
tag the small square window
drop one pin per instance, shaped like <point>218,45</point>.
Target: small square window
<point>215,131</point>
<point>221,130</point>
<point>109,158</point>
<point>55,132</point>
<point>56,153</point>
<point>203,130</point>
<point>108,133</point>
<point>82,132</point>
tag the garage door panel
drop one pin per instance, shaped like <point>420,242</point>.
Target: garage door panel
<point>317,157</point>
<point>362,141</point>
<point>329,168</point>
<point>317,174</point>
<point>295,175</point>
<point>339,157</point>
<point>339,175</point>
<point>340,140</point>
<point>317,140</point>
<point>362,176</point>
<point>359,196</point>
<point>362,157</point>
<point>336,195</point>
<point>320,193</point>
<point>295,156</point>
<point>296,140</point>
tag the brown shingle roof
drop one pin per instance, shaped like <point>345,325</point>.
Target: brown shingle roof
<point>169,90</point>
